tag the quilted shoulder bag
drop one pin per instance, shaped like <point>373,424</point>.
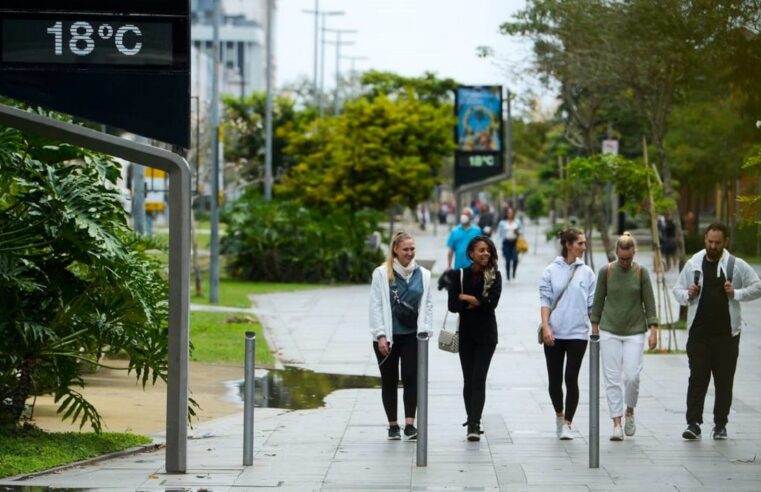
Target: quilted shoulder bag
<point>449,340</point>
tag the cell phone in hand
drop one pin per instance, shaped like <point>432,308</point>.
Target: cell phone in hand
<point>696,277</point>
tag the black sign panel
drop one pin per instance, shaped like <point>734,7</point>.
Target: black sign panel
<point>479,133</point>
<point>124,64</point>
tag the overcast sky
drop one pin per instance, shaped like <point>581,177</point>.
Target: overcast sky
<point>408,37</point>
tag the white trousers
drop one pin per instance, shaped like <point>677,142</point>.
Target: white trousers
<point>621,364</point>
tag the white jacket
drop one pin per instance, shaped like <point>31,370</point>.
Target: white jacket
<point>744,279</point>
<point>380,305</point>
<point>570,318</point>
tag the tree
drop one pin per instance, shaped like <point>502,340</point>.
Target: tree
<point>379,152</point>
<point>75,281</point>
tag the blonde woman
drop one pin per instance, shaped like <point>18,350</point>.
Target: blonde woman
<point>400,307</point>
<point>623,308</point>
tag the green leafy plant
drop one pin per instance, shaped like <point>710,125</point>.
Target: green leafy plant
<point>75,281</point>
<point>285,241</point>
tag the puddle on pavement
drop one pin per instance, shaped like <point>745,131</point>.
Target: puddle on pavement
<point>299,389</point>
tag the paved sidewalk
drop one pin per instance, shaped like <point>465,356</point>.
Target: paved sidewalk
<point>343,447</point>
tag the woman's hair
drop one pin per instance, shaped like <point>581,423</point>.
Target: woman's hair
<point>626,242</point>
<point>395,240</point>
<point>490,272</point>
<point>568,236</point>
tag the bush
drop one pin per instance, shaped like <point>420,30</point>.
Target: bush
<point>288,242</point>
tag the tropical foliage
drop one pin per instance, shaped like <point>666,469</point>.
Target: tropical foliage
<point>75,282</point>
<point>283,240</point>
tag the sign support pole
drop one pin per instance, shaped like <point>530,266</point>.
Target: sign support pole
<point>179,253</point>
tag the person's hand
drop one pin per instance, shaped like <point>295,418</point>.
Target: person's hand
<point>549,338</point>
<point>383,346</point>
<point>652,339</point>
<point>595,329</point>
<point>469,299</point>
<point>693,291</point>
<point>729,289</point>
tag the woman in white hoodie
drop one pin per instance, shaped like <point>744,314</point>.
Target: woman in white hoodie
<point>566,292</point>
<point>400,307</point>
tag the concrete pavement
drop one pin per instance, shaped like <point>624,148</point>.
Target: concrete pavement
<point>343,447</point>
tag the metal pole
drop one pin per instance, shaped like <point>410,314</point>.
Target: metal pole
<point>179,254</point>
<point>138,198</point>
<point>268,111</point>
<point>594,401</point>
<point>248,400</point>
<point>338,70</point>
<point>316,42</point>
<point>320,93</point>
<point>422,398</point>
<point>214,240</point>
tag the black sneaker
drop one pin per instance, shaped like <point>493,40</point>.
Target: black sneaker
<point>720,433</point>
<point>410,432</point>
<point>692,432</point>
<point>474,431</point>
<point>394,433</point>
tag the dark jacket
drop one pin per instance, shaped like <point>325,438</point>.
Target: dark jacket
<point>478,325</point>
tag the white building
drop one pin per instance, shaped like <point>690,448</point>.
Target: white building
<point>242,40</point>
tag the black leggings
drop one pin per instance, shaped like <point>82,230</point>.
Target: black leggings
<point>404,349</point>
<point>510,253</point>
<point>555,356</point>
<point>475,359</point>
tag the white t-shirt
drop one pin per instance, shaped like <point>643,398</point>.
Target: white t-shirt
<point>508,229</point>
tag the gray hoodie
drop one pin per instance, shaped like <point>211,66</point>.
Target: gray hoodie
<point>570,318</point>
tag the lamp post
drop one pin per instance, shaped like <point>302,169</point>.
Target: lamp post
<point>322,15</point>
<point>338,43</point>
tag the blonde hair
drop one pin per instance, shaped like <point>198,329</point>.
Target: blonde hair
<point>395,240</point>
<point>626,242</point>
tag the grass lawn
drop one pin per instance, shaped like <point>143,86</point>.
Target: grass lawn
<point>235,292</point>
<point>216,340</point>
<point>27,451</point>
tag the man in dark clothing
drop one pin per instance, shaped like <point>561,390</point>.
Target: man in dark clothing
<point>712,285</point>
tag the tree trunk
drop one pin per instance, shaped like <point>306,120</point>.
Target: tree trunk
<point>23,390</point>
<point>602,226</point>
<point>668,188</point>
<point>194,248</point>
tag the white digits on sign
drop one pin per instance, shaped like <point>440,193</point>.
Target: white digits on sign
<point>119,40</point>
<point>57,30</point>
<point>81,32</point>
<point>489,160</point>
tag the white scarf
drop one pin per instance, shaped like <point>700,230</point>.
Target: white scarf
<point>404,271</point>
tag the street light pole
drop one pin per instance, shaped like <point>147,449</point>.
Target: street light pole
<point>268,111</point>
<point>214,240</point>
<point>322,58</point>
<point>338,44</point>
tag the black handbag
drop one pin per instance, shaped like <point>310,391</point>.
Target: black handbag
<point>406,314</point>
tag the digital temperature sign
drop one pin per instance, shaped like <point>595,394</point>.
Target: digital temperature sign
<point>105,41</point>
<point>123,64</point>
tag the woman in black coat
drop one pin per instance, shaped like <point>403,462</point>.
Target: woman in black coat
<point>475,299</point>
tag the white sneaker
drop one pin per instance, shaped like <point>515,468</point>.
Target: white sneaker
<point>566,433</point>
<point>559,421</point>
<point>629,426</point>
<point>618,434</point>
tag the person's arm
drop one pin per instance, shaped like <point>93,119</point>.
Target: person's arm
<point>377,328</point>
<point>751,284</point>
<point>454,303</point>
<point>598,303</point>
<point>648,298</point>
<point>591,289</point>
<point>450,255</point>
<point>681,289</point>
<point>545,298</point>
<point>428,306</point>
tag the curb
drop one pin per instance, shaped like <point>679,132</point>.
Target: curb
<point>147,448</point>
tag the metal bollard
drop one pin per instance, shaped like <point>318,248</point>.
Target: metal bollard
<point>248,401</point>
<point>422,398</point>
<point>594,401</point>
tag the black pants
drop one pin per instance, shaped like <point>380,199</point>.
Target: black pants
<point>555,357</point>
<point>404,350</point>
<point>475,359</point>
<point>708,356</point>
<point>510,252</point>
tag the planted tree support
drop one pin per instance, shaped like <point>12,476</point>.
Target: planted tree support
<point>179,253</point>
